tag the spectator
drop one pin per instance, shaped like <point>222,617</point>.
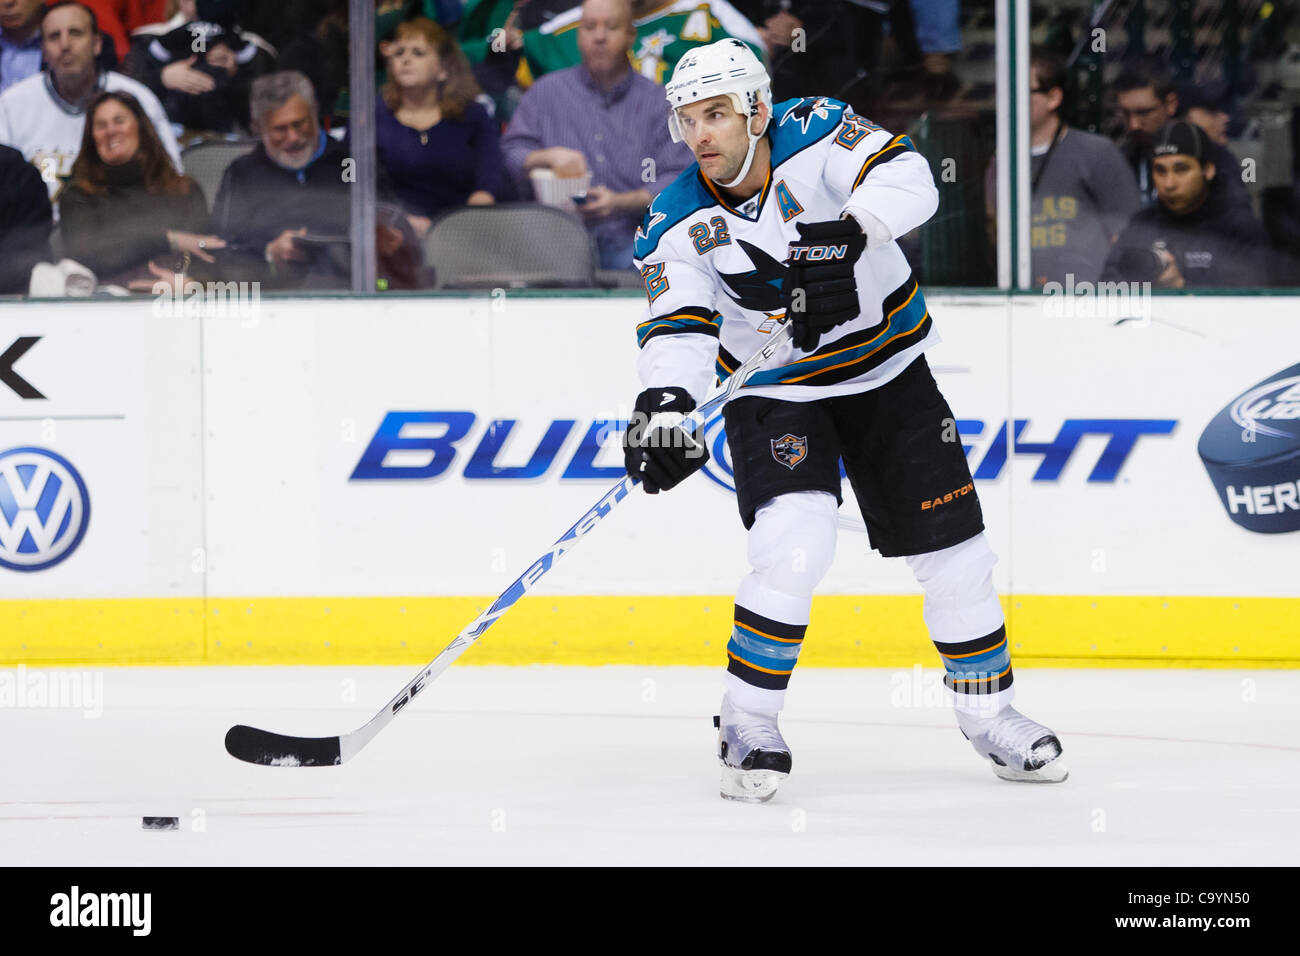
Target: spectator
<point>1083,191</point>
<point>286,205</point>
<point>1206,105</point>
<point>25,221</point>
<point>125,205</point>
<point>137,13</point>
<point>1193,236</point>
<point>43,116</point>
<point>389,14</point>
<point>840,52</point>
<point>482,18</point>
<point>205,90</point>
<point>112,28</point>
<point>439,147</point>
<point>1147,100</point>
<point>662,33</point>
<point>20,38</point>
<point>311,37</point>
<point>491,32</point>
<point>604,118</point>
<point>938,32</point>
<point>20,41</point>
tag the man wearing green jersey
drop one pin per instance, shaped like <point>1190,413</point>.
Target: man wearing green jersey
<point>665,31</point>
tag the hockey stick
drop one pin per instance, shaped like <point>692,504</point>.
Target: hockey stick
<point>278,750</point>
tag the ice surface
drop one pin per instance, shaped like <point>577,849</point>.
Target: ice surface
<point>615,765</point>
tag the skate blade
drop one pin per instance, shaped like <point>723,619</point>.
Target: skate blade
<point>749,786</point>
<point>1054,772</point>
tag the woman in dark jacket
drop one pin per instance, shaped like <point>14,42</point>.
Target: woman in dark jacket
<point>438,145</point>
<point>125,204</point>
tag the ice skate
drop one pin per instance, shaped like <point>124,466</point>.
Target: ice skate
<point>1017,748</point>
<point>754,756</point>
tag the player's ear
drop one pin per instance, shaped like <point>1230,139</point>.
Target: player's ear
<point>98,45</point>
<point>1209,171</point>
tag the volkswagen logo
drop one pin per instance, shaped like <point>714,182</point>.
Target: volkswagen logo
<point>44,509</point>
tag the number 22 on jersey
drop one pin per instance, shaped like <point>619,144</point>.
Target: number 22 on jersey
<point>704,241</point>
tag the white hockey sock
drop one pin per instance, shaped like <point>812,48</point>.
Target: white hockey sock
<point>791,545</point>
<point>966,624</point>
<point>756,700</point>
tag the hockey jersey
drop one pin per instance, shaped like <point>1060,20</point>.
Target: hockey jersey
<point>663,36</point>
<point>713,271</point>
<point>179,39</point>
<point>47,129</point>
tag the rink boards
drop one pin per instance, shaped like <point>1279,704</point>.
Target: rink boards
<point>335,481</point>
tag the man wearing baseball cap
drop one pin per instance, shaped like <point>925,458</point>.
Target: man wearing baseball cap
<point>1192,236</point>
<point>1147,98</point>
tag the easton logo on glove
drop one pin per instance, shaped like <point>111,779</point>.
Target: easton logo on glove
<point>819,290</point>
<point>818,253</point>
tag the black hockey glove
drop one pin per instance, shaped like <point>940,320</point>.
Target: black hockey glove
<point>820,291</point>
<point>655,449</point>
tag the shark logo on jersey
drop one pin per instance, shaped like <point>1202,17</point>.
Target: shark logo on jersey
<point>803,111</point>
<point>759,289</point>
<point>643,230</point>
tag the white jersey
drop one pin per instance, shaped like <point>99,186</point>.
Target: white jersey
<point>713,271</point>
<point>47,129</point>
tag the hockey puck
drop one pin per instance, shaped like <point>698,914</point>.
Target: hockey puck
<point>162,823</point>
<point>1251,451</point>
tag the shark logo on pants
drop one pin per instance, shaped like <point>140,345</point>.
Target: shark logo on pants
<point>789,450</point>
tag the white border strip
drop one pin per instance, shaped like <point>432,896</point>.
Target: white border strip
<point>1003,156</point>
<point>1024,189</point>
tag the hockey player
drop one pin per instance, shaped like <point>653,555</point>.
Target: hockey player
<point>791,214</point>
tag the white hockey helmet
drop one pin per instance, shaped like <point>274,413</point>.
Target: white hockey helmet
<point>725,68</point>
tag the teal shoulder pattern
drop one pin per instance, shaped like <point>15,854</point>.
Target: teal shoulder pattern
<point>684,195</point>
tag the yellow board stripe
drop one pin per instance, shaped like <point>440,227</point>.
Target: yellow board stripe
<point>845,631</point>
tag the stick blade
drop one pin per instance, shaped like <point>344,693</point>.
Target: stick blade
<point>276,750</point>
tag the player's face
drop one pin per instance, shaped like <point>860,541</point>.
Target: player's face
<point>715,132</point>
<point>414,64</point>
<point>16,14</point>
<point>1181,181</point>
<point>68,42</point>
<point>290,134</point>
<point>116,133</point>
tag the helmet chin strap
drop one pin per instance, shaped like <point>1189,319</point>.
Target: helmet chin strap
<point>749,156</point>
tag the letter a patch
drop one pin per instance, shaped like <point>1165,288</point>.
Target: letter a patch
<point>789,450</point>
